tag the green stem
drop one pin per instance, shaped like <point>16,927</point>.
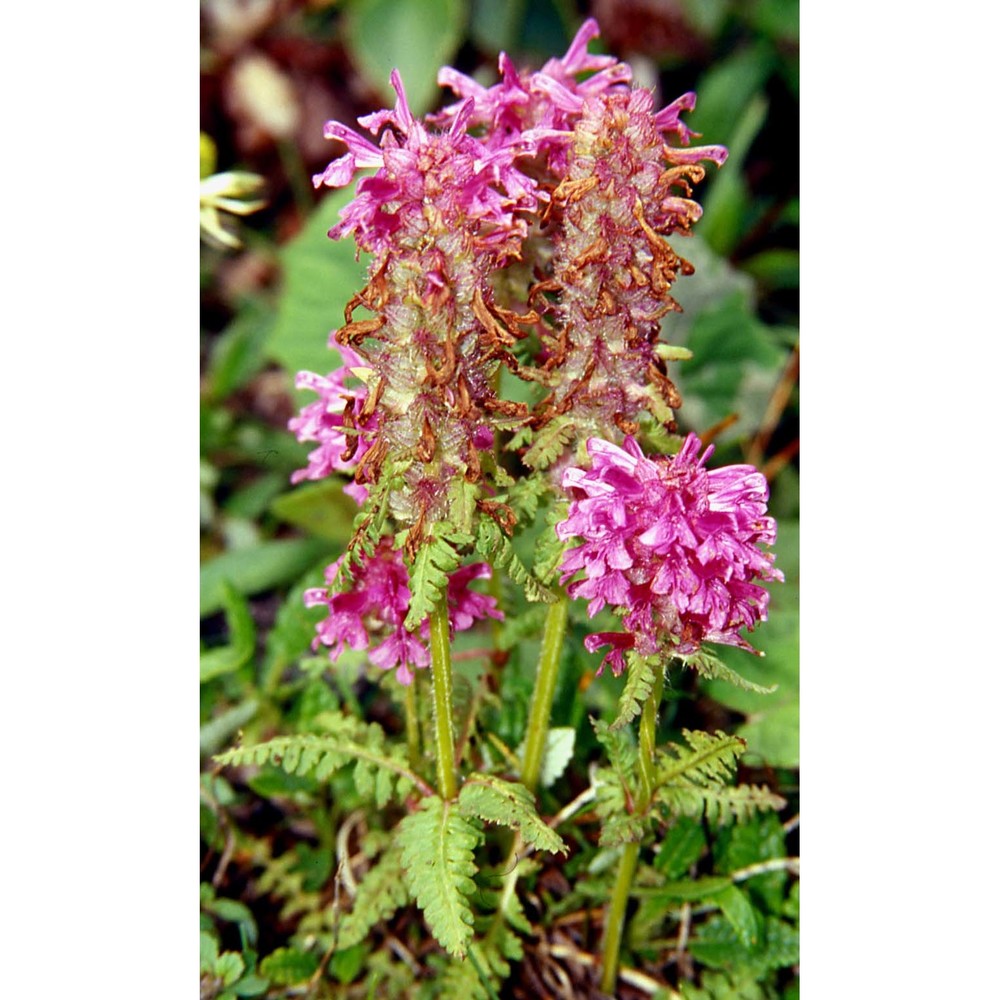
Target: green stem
<point>545,689</point>
<point>615,925</point>
<point>412,725</point>
<point>441,678</point>
<point>538,729</point>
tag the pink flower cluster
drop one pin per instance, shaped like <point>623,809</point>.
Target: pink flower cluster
<point>378,604</point>
<point>464,180</point>
<point>324,422</point>
<point>670,543</point>
<point>523,109</point>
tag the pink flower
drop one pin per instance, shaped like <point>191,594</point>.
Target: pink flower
<point>522,110</point>
<point>451,171</point>
<point>324,422</point>
<point>377,606</point>
<point>670,543</point>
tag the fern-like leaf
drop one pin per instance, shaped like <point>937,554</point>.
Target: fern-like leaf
<point>549,548</point>
<point>509,804</point>
<point>381,769</point>
<point>693,780</point>
<point>619,825</point>
<point>549,443</point>
<point>437,845</point>
<point>381,893</point>
<point>370,521</point>
<point>711,667</point>
<point>435,559</point>
<point>492,543</point>
<point>638,687</point>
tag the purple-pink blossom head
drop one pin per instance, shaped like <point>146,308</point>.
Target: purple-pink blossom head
<point>425,179</point>
<point>377,605</point>
<point>673,545</point>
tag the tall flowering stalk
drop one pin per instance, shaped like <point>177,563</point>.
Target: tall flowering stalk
<point>526,225</point>
<point>438,217</point>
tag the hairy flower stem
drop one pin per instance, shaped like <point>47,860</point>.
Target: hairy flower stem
<point>441,678</point>
<point>615,924</point>
<point>545,689</point>
<point>412,725</point>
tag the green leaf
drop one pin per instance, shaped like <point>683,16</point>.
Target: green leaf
<point>381,893</point>
<point>242,635</point>
<point>638,687</point>
<point>350,741</point>
<point>428,582</point>
<point>320,277</point>
<point>681,847</point>
<point>549,443</point>
<point>413,36</point>
<point>288,966</point>
<point>251,986</point>
<point>771,729</point>
<point>688,889</point>
<point>209,952</point>
<point>346,964</point>
<point>256,569</point>
<point>737,362</point>
<point>510,804</point>
<point>216,731</point>
<point>727,204</point>
<point>709,666</point>
<point>323,509</point>
<point>238,352</point>
<point>229,967</point>
<point>742,917</point>
<point>496,24</point>
<point>294,626</point>
<point>559,743</point>
<point>437,844</point>
<point>492,543</point>
<point>724,93</point>
<point>776,268</point>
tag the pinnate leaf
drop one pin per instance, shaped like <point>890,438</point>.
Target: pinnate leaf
<point>510,804</point>
<point>437,845</point>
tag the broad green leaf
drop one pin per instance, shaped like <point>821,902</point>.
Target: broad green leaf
<point>724,93</point>
<point>414,36</point>
<point>229,967</point>
<point>348,962</point>
<point>777,268</point>
<point>238,352</point>
<point>321,508</point>
<point>727,203</point>
<point>496,24</point>
<point>242,637</point>
<point>320,277</point>
<point>251,986</point>
<point>740,913</point>
<point>251,571</point>
<point>681,847</point>
<point>288,966</point>
<point>737,363</point>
